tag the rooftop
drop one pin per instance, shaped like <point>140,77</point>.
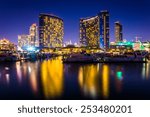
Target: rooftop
<point>50,15</point>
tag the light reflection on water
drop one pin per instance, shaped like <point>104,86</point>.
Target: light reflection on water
<point>51,79</point>
<point>146,71</point>
<point>29,71</point>
<point>88,80</point>
<point>119,78</point>
<point>105,80</point>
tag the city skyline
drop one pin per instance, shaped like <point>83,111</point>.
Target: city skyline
<point>30,39</point>
<point>134,18</point>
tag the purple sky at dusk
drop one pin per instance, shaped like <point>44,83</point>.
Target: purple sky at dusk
<point>16,16</point>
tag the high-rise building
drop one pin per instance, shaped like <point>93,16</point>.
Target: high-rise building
<point>118,32</point>
<point>89,32</point>
<point>104,29</point>
<point>33,32</point>
<point>94,31</point>
<point>31,39</point>
<point>51,31</point>
<point>24,40</point>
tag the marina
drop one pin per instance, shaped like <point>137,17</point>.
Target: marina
<point>107,58</point>
<point>53,79</point>
<point>77,57</point>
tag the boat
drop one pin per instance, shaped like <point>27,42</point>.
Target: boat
<point>8,57</point>
<point>80,58</point>
<point>127,57</point>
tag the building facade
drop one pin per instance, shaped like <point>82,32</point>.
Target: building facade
<point>118,32</point>
<point>24,40</point>
<point>94,31</point>
<point>89,32</point>
<point>104,29</point>
<point>51,31</point>
<point>134,45</point>
<point>146,45</point>
<point>6,45</point>
<point>33,32</point>
<point>31,39</point>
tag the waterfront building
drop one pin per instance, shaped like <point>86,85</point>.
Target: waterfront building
<point>104,29</point>
<point>94,31</point>
<point>129,46</point>
<point>89,32</point>
<point>24,40</point>
<point>146,45</point>
<point>33,32</point>
<point>118,32</point>
<point>6,45</point>
<point>121,47</point>
<point>51,31</point>
<point>30,40</point>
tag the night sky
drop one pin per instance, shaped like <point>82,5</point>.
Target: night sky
<point>17,15</point>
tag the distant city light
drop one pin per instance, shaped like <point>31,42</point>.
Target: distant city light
<point>31,49</point>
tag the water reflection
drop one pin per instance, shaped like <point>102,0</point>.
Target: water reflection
<point>7,78</point>
<point>89,80</point>
<point>4,75</point>
<point>119,78</point>
<point>105,80</point>
<point>29,71</point>
<point>146,71</point>
<point>33,71</point>
<point>52,78</point>
<point>19,72</point>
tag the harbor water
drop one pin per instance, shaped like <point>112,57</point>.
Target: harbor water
<point>53,80</point>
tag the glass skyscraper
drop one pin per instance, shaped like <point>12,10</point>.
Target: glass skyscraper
<point>33,32</point>
<point>89,32</point>
<point>94,31</point>
<point>104,29</point>
<point>118,32</point>
<point>51,31</point>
